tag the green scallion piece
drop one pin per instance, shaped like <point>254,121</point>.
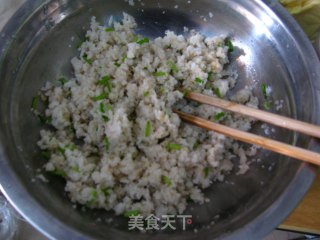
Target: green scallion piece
<point>46,154</point>
<point>109,29</point>
<point>105,118</point>
<point>162,90</point>
<point>189,200</point>
<point>267,105</point>
<point>173,146</point>
<point>61,150</point>
<point>264,90</point>
<point>105,81</point>
<point>210,74</point>
<point>101,107</point>
<point>109,107</point>
<point>131,213</point>
<point>94,194</point>
<point>59,172</point>
<point>79,44</point>
<point>105,191</point>
<point>75,169</point>
<point>86,59</point>
<point>117,64</point>
<point>219,115</point>
<point>148,129</point>
<point>106,143</point>
<point>146,93</point>
<point>206,171</point>
<point>199,80</point>
<point>208,85</point>
<point>217,92</point>
<point>100,97</point>
<point>159,74</point>
<point>136,38</point>
<point>124,59</point>
<point>173,67</point>
<point>229,45</point>
<point>196,144</point>
<point>185,92</point>
<point>45,120</point>
<point>143,41</point>
<point>34,104</point>
<point>63,80</point>
<point>166,180</point>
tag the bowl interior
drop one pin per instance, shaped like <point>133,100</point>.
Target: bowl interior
<point>266,52</point>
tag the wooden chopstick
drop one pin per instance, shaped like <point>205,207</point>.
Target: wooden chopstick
<point>274,119</point>
<point>276,146</point>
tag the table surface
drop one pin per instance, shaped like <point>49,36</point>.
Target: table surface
<point>306,217</point>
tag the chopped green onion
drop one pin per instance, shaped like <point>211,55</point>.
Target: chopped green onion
<point>159,74</point>
<point>117,64</point>
<point>264,90</point>
<point>173,146</point>
<point>131,213</point>
<point>109,29</point>
<point>208,85</point>
<point>124,59</point>
<point>100,97</point>
<point>71,147</point>
<point>229,45</point>
<point>46,154</point>
<point>136,38</point>
<point>59,172</point>
<point>105,118</point>
<point>75,169</point>
<point>105,81</point>
<point>267,105</point>
<point>106,143</point>
<point>105,191</point>
<point>86,59</point>
<point>199,80</point>
<point>146,93</point>
<point>219,115</point>
<point>196,144</point>
<point>94,194</point>
<point>206,171</point>
<point>148,129</point>
<point>94,197</point>
<point>162,90</point>
<point>173,67</point>
<point>34,104</point>
<point>166,180</point>
<point>109,107</point>
<point>189,200</point>
<point>44,119</point>
<point>185,92</point>
<point>61,150</point>
<point>101,106</point>
<point>217,92</point>
<point>63,80</point>
<point>79,44</point>
<point>142,41</point>
<point>210,74</point>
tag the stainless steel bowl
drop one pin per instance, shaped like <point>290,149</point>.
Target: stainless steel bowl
<point>36,46</point>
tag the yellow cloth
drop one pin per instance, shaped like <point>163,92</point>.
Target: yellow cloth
<point>307,13</point>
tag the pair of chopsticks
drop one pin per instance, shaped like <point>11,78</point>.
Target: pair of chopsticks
<point>273,145</point>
